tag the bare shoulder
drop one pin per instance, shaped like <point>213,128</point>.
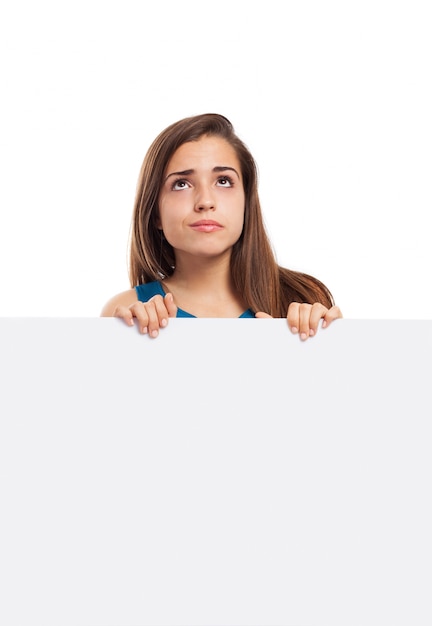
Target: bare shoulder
<point>125,298</point>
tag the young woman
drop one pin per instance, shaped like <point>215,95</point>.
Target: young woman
<point>198,243</point>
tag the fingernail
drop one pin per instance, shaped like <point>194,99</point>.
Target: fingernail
<point>163,323</point>
<point>303,336</point>
<point>311,332</point>
<point>294,329</point>
<point>154,333</point>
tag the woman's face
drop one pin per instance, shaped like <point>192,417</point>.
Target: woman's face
<point>202,200</point>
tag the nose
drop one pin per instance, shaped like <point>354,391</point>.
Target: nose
<point>204,200</point>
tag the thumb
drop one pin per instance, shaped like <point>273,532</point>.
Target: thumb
<point>262,314</point>
<point>169,303</point>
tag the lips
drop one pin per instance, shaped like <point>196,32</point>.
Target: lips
<point>206,226</point>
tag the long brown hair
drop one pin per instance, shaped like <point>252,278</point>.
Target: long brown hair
<point>261,282</point>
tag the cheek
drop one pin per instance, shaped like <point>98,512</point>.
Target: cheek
<point>164,221</point>
<point>172,208</point>
<point>167,223</point>
<point>162,217</point>
<point>241,226</point>
<point>242,215</point>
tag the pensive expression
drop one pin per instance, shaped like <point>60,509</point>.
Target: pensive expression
<point>202,199</point>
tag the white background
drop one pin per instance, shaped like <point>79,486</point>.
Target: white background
<point>334,100</point>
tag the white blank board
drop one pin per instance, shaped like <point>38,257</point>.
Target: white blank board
<point>223,474</point>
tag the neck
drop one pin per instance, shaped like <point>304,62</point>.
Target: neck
<point>205,289</point>
<point>203,275</point>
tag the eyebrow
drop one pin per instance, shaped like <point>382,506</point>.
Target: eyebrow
<point>218,168</point>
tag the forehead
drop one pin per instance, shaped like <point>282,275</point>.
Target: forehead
<point>208,151</point>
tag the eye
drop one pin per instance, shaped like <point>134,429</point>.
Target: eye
<point>225,181</point>
<point>179,184</point>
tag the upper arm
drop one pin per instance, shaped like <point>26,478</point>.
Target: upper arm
<point>126,298</point>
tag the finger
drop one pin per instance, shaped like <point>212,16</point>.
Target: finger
<point>262,314</point>
<point>170,306</point>
<point>304,320</point>
<point>162,313</point>
<point>139,311</point>
<point>317,312</point>
<point>332,314</point>
<point>293,316</point>
<point>124,313</point>
<point>153,318</point>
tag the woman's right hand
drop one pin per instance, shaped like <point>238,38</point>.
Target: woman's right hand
<point>151,316</point>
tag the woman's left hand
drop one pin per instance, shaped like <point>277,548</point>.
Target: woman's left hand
<point>304,318</point>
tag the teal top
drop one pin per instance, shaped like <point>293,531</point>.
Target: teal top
<point>148,290</point>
